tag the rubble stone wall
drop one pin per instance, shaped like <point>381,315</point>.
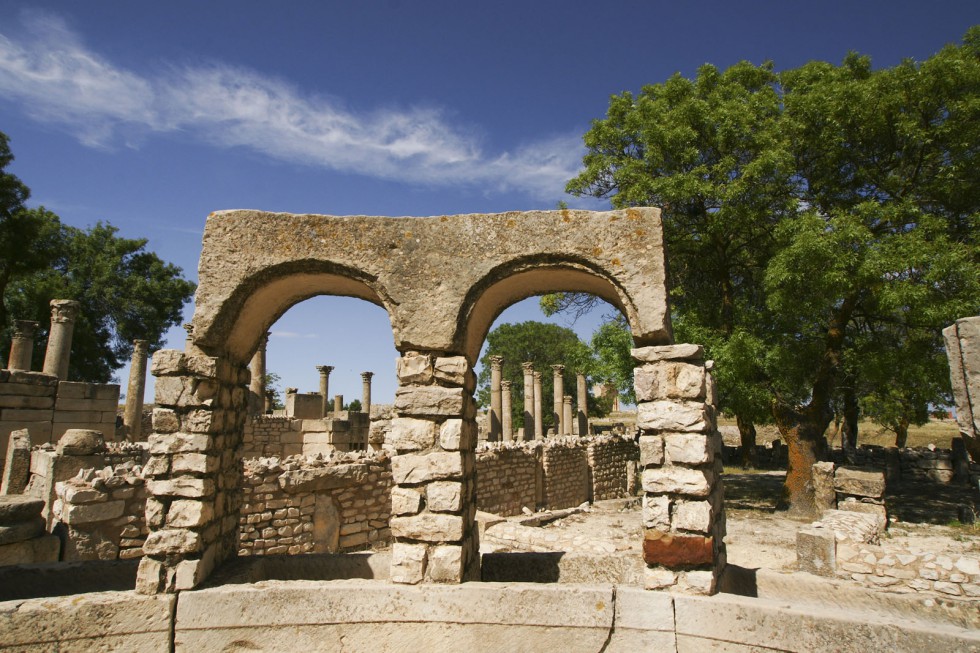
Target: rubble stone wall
<point>266,435</point>
<point>506,476</point>
<point>566,473</point>
<point>953,574</point>
<point>612,463</point>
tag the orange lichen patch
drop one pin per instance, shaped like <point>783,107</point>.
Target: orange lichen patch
<point>616,261</point>
<point>510,223</point>
<point>597,251</point>
<point>640,233</point>
<point>633,214</point>
<point>676,551</point>
<point>408,234</point>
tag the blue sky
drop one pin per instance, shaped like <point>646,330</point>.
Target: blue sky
<point>152,115</point>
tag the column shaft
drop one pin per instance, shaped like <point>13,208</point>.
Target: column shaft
<point>256,386</point>
<point>366,393</point>
<point>496,363</point>
<point>324,371</point>
<point>338,405</point>
<point>538,412</point>
<point>58,354</point>
<point>559,387</point>
<point>133,413</point>
<point>566,412</point>
<point>22,345</point>
<point>506,419</point>
<point>583,404</point>
<point>528,400</point>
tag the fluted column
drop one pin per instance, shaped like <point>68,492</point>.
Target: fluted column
<point>22,345</point>
<point>538,412</point>
<point>528,400</point>
<point>496,363</point>
<point>257,384</point>
<point>559,387</point>
<point>133,413</point>
<point>583,404</point>
<point>58,354</point>
<point>324,371</point>
<point>366,392</point>
<point>506,420</point>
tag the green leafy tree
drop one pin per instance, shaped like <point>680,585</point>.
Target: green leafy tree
<point>354,405</point>
<point>542,344</point>
<point>613,367</point>
<point>125,292</point>
<point>271,383</point>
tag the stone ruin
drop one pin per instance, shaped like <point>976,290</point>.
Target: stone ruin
<point>963,351</point>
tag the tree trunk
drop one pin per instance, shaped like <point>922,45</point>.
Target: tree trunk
<point>803,432</point>
<point>746,432</point>
<point>902,433</point>
<point>851,415</point>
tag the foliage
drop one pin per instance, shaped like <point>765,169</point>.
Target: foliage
<point>125,292</point>
<point>542,344</point>
<point>354,405</point>
<point>611,344</point>
<point>270,383</point>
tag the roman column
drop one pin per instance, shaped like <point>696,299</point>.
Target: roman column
<point>338,405</point>
<point>506,422</point>
<point>133,413</point>
<point>58,354</point>
<point>256,386</point>
<point>496,363</point>
<point>538,412</point>
<point>366,393</point>
<point>567,412</point>
<point>583,405</point>
<point>528,400</point>
<point>324,371</point>
<point>559,383</point>
<point>22,345</point>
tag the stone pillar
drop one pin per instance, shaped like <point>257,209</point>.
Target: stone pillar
<point>680,452</point>
<point>559,387</point>
<point>58,354</point>
<point>338,405</point>
<point>496,364</point>
<point>268,402</point>
<point>963,352</point>
<point>256,386</point>
<point>189,340</point>
<point>22,345</point>
<point>582,401</point>
<point>133,413</point>
<point>528,400</point>
<point>433,501</point>
<point>538,412</point>
<point>193,475</point>
<point>324,371</point>
<point>566,413</point>
<point>366,393</point>
<point>506,419</point>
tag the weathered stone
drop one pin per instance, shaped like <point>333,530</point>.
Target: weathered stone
<point>405,501</point>
<point>673,416</point>
<point>28,552</point>
<point>91,512</point>
<point>667,353</point>
<point>656,512</point>
<point>676,551</point>
<point>428,527</point>
<point>172,541</point>
<point>81,442</point>
<point>692,516</point>
<point>677,480</point>
<point>187,513</point>
<point>20,531</point>
<point>165,420</point>
<point>457,434</point>
<point>16,508</point>
<point>824,496</point>
<point>452,369</point>
<point>651,450</point>
<point>408,563</point>
<point>429,400</point>
<point>180,443</point>
<point>411,434</point>
<point>688,448</point>
<point>444,496</point>
<point>181,487</point>
<point>168,362</point>
<point>859,483</point>
<point>413,469</point>
<point>445,564</point>
<point>816,551</point>
<point>669,380</point>
<point>81,494</point>
<point>195,463</point>
<point>414,368</point>
<point>318,479</point>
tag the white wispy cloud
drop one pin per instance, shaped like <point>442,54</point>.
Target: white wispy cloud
<point>292,335</point>
<point>57,79</point>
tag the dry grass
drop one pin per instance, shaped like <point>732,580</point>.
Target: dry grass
<point>936,432</point>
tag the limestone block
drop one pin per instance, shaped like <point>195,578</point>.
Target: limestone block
<point>156,466</point>
<point>877,510</point>
<point>688,448</point>
<point>859,483</point>
<point>676,551</point>
<point>656,512</point>
<point>197,463</point>
<point>408,563</point>
<point>202,366</point>
<point>165,420</point>
<point>851,526</point>
<point>20,531</point>
<point>428,527</point>
<point>187,513</point>
<point>81,442</point>
<point>28,552</point>
<point>452,369</point>
<point>32,402</point>
<point>824,495</point>
<point>172,541</point>
<point>405,501</point>
<point>668,353</point>
<point>429,400</point>
<point>164,443</point>
<point>688,416</point>
<point>457,434</point>
<point>168,362</point>
<point>15,508</point>
<point>651,450</point>
<point>92,512</point>
<point>693,516</point>
<point>445,564</point>
<point>154,513</point>
<point>677,480</point>
<point>27,389</point>
<point>191,573</point>
<point>181,487</point>
<point>414,368</point>
<point>86,405</point>
<point>411,434</point>
<point>203,420</point>
<point>318,479</point>
<point>411,469</point>
<point>444,496</point>
<point>80,494</point>
<point>816,551</point>
<point>657,578</point>
<point>669,380</point>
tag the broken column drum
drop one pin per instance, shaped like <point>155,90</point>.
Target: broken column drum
<point>133,413</point>
<point>22,345</point>
<point>442,280</point>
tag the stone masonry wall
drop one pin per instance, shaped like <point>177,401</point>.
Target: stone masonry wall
<point>506,474</point>
<point>265,436</point>
<point>315,504</point>
<point>566,473</point>
<point>951,573</point>
<point>612,462</point>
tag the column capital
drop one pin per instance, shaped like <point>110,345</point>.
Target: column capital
<point>559,369</point>
<point>64,310</point>
<point>324,370</point>
<point>528,367</point>
<point>366,376</point>
<point>264,340</point>
<point>567,399</point>
<point>537,376</point>
<point>496,362</point>
<point>189,328</point>
<point>141,345</point>
<point>24,328</point>
<point>505,385</point>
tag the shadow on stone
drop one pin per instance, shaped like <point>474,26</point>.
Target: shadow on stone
<point>65,578</point>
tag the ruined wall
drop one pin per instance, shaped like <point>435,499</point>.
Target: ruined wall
<point>506,476</point>
<point>566,473</point>
<point>954,573</point>
<point>281,437</point>
<point>612,462</point>
<point>315,505</point>
<point>270,436</point>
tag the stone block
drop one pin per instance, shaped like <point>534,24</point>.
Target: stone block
<point>168,362</point>
<point>29,552</point>
<point>20,531</point>
<point>27,389</point>
<point>32,402</point>
<point>414,368</point>
<point>187,513</point>
<point>410,469</point>
<point>689,448</point>
<point>166,443</point>
<point>656,512</point>
<point>165,420</point>
<point>859,483</point>
<point>318,479</point>
<point>651,450</point>
<point>429,400</point>
<point>411,434</point>
<point>670,380</point>
<point>17,415</point>
<point>825,497</point>
<point>665,415</point>
<point>692,516</point>
<point>444,496</point>
<point>678,480</point>
<point>457,435</point>
<point>196,463</point>
<point>81,494</point>
<point>676,551</point>
<point>428,527</point>
<point>15,508</point>
<point>451,369</point>
<point>445,564</point>
<point>172,542</point>
<point>405,501</point>
<point>816,551</point>
<point>82,405</point>
<point>408,562</point>
<point>877,510</point>
<point>92,512</point>
<point>667,353</point>
<point>181,487</point>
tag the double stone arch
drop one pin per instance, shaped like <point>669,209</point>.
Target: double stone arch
<point>442,280</point>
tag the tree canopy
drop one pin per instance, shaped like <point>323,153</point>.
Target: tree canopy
<point>126,292</point>
<point>821,226</point>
